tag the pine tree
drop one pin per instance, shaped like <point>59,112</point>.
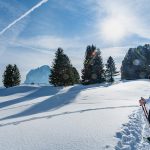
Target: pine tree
<point>76,75</point>
<point>110,70</point>
<point>88,64</point>
<point>98,72</point>
<point>62,72</point>
<point>11,76</point>
<point>16,76</point>
<point>8,76</point>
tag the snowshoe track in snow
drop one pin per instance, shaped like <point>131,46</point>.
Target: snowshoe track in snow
<point>131,135</point>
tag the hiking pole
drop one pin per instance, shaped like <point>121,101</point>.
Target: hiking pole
<point>146,114</point>
<point>144,106</point>
<point>142,103</point>
<point>145,111</point>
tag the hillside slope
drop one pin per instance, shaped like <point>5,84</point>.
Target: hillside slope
<point>72,118</point>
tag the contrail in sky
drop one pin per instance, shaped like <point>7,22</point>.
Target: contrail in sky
<point>24,15</point>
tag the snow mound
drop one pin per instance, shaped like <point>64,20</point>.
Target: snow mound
<point>39,75</point>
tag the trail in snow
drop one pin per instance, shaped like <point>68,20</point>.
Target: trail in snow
<point>132,133</point>
<point>59,114</point>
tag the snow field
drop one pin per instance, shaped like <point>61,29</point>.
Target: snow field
<point>73,118</point>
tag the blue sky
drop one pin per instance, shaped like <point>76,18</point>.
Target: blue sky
<point>30,40</point>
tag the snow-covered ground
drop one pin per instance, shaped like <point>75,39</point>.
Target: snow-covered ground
<point>95,117</point>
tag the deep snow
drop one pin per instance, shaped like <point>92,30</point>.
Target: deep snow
<point>94,117</point>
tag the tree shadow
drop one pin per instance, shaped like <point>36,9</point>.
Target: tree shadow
<point>38,92</point>
<point>52,103</point>
<point>17,89</point>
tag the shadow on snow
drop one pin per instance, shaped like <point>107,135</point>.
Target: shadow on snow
<point>37,92</point>
<point>57,100</point>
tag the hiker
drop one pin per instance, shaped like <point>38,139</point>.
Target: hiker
<point>142,102</point>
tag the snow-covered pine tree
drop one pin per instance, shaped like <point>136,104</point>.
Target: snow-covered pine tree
<point>98,72</point>
<point>8,76</point>
<point>110,70</point>
<point>16,76</point>
<point>62,72</point>
<point>88,64</point>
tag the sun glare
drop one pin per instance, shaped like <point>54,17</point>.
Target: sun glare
<point>113,30</point>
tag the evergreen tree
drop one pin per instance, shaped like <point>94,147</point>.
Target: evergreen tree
<point>76,75</point>
<point>16,76</point>
<point>11,76</point>
<point>88,64</point>
<point>62,72</point>
<point>8,76</point>
<point>110,70</point>
<point>98,73</point>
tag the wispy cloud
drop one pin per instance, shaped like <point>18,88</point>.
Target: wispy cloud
<point>118,20</point>
<point>23,16</point>
<point>52,42</point>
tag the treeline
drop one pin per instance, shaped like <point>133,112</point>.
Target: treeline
<point>63,73</point>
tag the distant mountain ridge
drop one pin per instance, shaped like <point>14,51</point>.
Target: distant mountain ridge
<point>39,75</point>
